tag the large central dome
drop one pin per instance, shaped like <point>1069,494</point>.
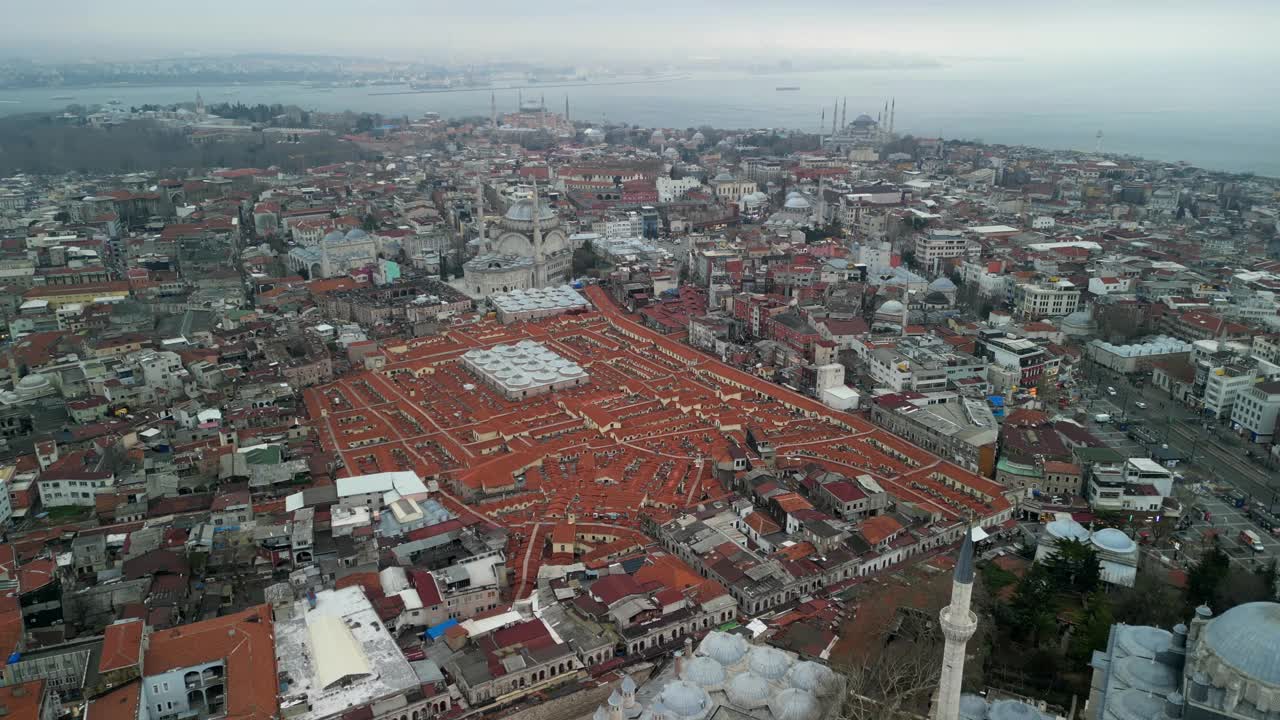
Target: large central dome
<point>522,211</point>
<point>1246,638</point>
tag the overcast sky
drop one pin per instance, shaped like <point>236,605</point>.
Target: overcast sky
<point>588,31</point>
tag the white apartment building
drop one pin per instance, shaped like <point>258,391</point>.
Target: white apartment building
<point>1052,298</point>
<point>1256,410</point>
<point>937,244</point>
<point>670,190</point>
<point>1223,385</point>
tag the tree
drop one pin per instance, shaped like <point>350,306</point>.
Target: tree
<point>369,223</point>
<point>1149,602</point>
<point>1206,576</point>
<point>1093,630</point>
<point>62,216</point>
<point>1033,615</point>
<point>586,259</point>
<point>1074,567</point>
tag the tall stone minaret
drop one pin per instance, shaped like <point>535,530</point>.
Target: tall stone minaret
<point>539,257</point>
<point>958,625</point>
<point>484,243</point>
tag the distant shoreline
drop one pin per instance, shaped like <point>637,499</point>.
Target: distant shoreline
<point>535,86</point>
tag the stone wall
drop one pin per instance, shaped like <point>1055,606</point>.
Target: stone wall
<point>580,704</point>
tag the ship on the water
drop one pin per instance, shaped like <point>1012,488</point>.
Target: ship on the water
<point>786,88</point>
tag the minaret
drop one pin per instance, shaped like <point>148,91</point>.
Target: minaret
<point>958,624</point>
<point>835,115</point>
<point>566,111</point>
<point>820,207</point>
<point>893,113</point>
<point>493,110</point>
<point>844,113</point>
<point>199,104</point>
<point>480,215</point>
<point>822,127</point>
<point>539,260</point>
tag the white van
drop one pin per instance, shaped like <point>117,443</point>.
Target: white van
<point>1102,418</point>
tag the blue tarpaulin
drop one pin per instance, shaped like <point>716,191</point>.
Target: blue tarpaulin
<point>437,630</point>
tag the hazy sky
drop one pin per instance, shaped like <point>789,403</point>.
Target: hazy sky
<point>589,30</point>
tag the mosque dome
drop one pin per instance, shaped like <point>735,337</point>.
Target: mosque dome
<point>864,119</point>
<point>1018,710</point>
<point>813,677</point>
<point>794,704</point>
<point>1067,529</point>
<point>937,298</point>
<point>1245,638</point>
<point>748,691</point>
<point>768,662</point>
<point>684,699</point>
<point>799,202</point>
<point>891,307</point>
<point>722,177</point>
<point>942,284</point>
<point>333,237</point>
<point>522,211</point>
<point>32,385</point>
<point>1078,321</point>
<point>356,234</point>
<point>704,672</point>
<point>1115,541</point>
<point>724,648</point>
<point>973,707</point>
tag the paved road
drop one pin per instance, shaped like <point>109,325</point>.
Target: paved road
<point>1218,456</point>
<point>1228,521</point>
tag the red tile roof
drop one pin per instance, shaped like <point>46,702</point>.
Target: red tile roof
<point>244,641</point>
<point>121,646</point>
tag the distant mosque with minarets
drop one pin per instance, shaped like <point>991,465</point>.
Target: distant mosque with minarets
<point>864,132</point>
<point>528,248</point>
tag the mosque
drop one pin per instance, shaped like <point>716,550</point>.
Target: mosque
<point>526,250</point>
<point>730,678</point>
<point>336,254</point>
<point>1218,668</point>
<point>864,131</point>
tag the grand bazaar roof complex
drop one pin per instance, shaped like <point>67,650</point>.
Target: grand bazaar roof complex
<point>643,436</point>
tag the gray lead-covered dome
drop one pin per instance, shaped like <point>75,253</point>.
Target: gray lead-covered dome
<point>1014,710</point>
<point>768,662</point>
<point>704,672</point>
<point>684,699</point>
<point>748,691</point>
<point>973,707</point>
<point>522,211</point>
<point>793,704</point>
<point>1114,540</point>
<point>724,648</point>
<point>1246,638</point>
<point>811,676</point>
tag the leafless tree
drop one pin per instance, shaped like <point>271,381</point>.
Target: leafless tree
<point>897,680</point>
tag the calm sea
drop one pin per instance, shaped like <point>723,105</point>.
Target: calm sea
<point>1214,117</point>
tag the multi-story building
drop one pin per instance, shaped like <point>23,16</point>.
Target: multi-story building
<point>1140,485</point>
<point>1027,360</point>
<point>221,667</point>
<point>1256,410</point>
<point>961,430</point>
<point>1054,297</point>
<point>937,244</point>
<point>1223,384</point>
